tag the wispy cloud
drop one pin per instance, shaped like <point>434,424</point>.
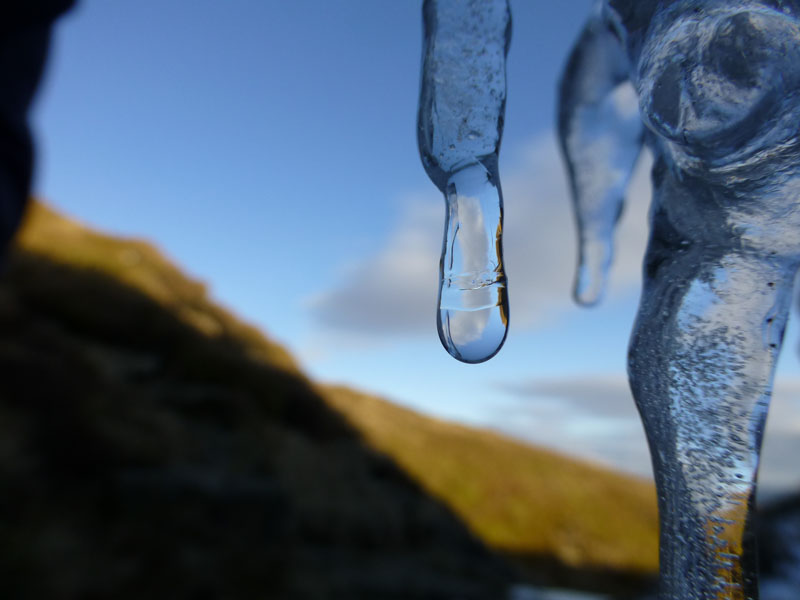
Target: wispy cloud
<point>394,291</point>
<point>594,417</point>
<point>600,395</point>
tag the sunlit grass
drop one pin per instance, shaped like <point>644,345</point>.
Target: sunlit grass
<point>138,264</point>
<point>517,498</point>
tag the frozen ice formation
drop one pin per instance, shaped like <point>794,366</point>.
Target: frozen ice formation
<point>601,136</point>
<point>717,88</point>
<point>459,127</point>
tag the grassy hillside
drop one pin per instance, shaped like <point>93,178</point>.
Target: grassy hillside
<point>518,499</point>
<point>153,445</point>
<point>138,264</point>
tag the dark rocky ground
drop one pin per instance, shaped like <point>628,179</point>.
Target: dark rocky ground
<point>779,551</point>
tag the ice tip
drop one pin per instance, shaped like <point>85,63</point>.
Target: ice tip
<point>474,336</point>
<point>591,274</point>
<point>473,356</point>
<point>589,288</point>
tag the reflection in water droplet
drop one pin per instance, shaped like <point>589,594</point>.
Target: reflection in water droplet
<point>473,299</point>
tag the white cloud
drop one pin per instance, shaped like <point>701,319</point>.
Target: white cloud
<point>594,417</point>
<point>395,290</point>
<point>600,395</point>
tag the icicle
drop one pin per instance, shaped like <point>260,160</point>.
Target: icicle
<point>717,84</point>
<point>601,136</point>
<point>460,124</point>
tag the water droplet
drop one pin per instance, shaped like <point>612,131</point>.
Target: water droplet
<point>473,298</point>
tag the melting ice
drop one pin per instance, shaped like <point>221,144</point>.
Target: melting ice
<point>473,304</point>
<point>718,88</point>
<point>460,124</point>
<point>713,87</point>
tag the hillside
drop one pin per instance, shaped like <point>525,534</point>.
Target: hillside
<point>153,445</point>
<point>525,502</point>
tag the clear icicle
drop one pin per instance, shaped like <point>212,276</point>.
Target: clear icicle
<point>601,136</point>
<point>717,85</point>
<point>460,124</point>
<point>473,304</point>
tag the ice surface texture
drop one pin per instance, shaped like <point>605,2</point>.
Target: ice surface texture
<point>459,127</point>
<point>717,87</point>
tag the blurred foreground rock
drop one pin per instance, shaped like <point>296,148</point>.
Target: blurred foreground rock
<point>779,549</point>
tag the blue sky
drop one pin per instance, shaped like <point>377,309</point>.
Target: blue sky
<point>269,148</point>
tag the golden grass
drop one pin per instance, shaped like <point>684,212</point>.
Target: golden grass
<point>141,266</point>
<point>517,498</point>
